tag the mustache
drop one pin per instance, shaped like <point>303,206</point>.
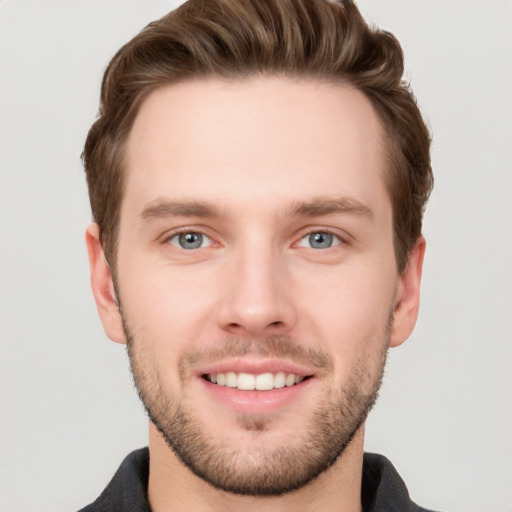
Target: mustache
<point>280,346</point>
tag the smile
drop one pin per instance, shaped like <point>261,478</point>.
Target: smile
<point>250,382</point>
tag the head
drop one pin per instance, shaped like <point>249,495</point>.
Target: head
<point>257,177</point>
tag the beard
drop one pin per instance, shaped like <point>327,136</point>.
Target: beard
<point>264,469</point>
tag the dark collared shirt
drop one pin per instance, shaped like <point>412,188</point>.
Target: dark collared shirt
<point>382,491</point>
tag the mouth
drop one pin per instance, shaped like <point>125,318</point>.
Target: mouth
<point>255,382</point>
<point>253,385</point>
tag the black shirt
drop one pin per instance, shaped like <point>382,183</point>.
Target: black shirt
<point>382,490</point>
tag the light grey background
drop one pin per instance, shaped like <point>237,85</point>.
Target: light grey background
<point>68,410</point>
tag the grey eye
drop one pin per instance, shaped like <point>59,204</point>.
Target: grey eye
<point>189,240</point>
<point>320,240</point>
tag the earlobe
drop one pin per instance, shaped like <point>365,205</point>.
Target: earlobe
<point>407,299</point>
<point>103,286</point>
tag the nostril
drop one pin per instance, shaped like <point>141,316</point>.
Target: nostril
<point>255,327</point>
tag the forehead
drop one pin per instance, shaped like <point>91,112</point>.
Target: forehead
<point>253,141</point>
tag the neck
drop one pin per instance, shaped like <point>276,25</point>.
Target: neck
<point>172,486</point>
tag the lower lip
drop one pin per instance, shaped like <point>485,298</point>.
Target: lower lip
<point>256,402</point>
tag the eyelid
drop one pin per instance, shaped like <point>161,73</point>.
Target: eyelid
<point>341,236</point>
<point>169,235</point>
<point>206,241</point>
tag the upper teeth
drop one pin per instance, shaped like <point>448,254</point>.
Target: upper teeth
<point>248,381</point>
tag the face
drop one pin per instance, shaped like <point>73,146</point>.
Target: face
<point>256,275</point>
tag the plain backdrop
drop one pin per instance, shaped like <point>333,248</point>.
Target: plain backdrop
<point>69,413</point>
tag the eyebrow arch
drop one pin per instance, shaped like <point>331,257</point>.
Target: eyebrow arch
<point>162,208</point>
<point>328,206</point>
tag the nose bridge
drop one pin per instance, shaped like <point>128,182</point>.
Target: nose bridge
<point>258,296</point>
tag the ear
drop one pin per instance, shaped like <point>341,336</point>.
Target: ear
<point>407,300</point>
<point>103,286</point>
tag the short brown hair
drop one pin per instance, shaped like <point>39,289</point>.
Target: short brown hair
<point>237,39</point>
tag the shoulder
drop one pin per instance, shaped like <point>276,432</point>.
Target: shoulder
<point>127,490</point>
<point>383,490</point>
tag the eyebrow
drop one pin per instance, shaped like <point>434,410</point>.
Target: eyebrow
<point>329,206</point>
<point>162,208</point>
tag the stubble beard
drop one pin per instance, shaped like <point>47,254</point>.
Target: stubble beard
<point>261,471</point>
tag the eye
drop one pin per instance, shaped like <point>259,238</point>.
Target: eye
<point>190,240</point>
<point>320,240</point>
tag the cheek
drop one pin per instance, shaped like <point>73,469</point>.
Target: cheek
<point>351,313</point>
<point>165,308</point>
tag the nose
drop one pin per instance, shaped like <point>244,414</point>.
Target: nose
<point>257,296</point>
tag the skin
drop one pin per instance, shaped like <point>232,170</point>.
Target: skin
<point>254,150</point>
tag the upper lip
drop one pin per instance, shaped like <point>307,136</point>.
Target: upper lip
<point>255,366</point>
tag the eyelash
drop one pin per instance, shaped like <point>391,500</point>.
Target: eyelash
<point>332,232</point>
<point>185,231</point>
<point>342,239</point>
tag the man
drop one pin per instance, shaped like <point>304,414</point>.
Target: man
<point>257,176</point>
